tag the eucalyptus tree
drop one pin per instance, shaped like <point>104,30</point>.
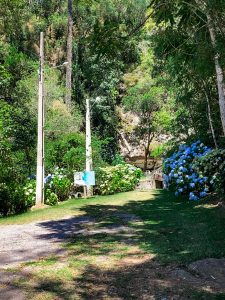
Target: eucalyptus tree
<point>192,34</point>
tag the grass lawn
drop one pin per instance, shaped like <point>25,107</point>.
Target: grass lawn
<point>134,242</point>
<point>72,207</point>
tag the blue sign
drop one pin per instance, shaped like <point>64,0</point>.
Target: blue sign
<point>84,178</point>
<point>89,178</point>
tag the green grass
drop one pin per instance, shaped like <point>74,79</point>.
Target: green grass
<point>180,231</point>
<point>170,231</point>
<point>70,208</point>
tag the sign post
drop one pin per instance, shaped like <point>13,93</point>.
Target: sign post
<point>85,179</point>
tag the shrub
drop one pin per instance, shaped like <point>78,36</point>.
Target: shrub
<point>21,203</point>
<point>213,166</point>
<point>30,192</point>
<point>6,199</point>
<point>118,160</point>
<point>50,198</point>
<point>57,187</point>
<point>119,178</point>
<point>180,175</point>
<point>60,184</point>
<point>13,199</point>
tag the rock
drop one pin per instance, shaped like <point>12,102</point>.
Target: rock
<point>210,268</point>
<point>183,275</point>
<point>131,146</point>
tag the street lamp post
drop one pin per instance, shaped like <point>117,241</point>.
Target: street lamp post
<point>89,161</point>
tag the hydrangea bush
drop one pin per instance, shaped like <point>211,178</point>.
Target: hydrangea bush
<point>57,188</point>
<point>12,200</point>
<point>180,175</point>
<point>30,192</point>
<point>213,166</point>
<point>119,178</point>
<point>59,183</point>
<point>50,197</point>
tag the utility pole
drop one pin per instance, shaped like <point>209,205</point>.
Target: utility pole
<point>88,144</point>
<point>40,142</point>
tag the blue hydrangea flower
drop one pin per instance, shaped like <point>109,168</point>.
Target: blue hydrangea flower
<point>203,194</point>
<point>181,175</point>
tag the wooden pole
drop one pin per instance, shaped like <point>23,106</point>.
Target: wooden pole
<point>40,142</point>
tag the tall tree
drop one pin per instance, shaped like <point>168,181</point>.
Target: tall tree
<point>144,100</point>
<point>219,70</point>
<point>199,23</point>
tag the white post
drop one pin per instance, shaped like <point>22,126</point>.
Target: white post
<point>88,144</point>
<point>40,142</point>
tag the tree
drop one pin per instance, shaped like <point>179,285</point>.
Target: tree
<point>145,101</point>
<point>184,45</point>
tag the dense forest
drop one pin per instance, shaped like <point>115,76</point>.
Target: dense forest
<point>162,61</point>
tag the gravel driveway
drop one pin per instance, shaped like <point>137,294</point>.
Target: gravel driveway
<point>22,243</point>
<point>30,242</point>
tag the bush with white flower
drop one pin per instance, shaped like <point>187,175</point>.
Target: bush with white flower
<point>59,183</point>
<point>119,178</point>
<point>57,188</point>
<point>180,175</point>
<point>50,197</point>
<point>30,192</point>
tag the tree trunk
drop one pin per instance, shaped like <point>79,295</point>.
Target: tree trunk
<point>69,54</point>
<point>211,122</point>
<point>219,72</point>
<point>146,160</point>
<point>149,139</point>
<point>210,116</point>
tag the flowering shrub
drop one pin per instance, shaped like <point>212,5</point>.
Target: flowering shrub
<point>57,187</point>
<point>59,183</point>
<point>119,178</point>
<point>30,192</point>
<point>212,165</point>
<point>13,199</point>
<point>50,197</point>
<point>180,174</point>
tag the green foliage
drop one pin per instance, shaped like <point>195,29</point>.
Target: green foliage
<point>50,197</point>
<point>30,192</point>
<point>118,160</point>
<point>12,199</point>
<point>148,102</point>
<point>16,141</point>
<point>61,186</point>
<point>59,183</point>
<point>68,151</point>
<point>184,62</point>
<point>104,49</point>
<point>213,166</point>
<point>158,151</point>
<point>119,178</point>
